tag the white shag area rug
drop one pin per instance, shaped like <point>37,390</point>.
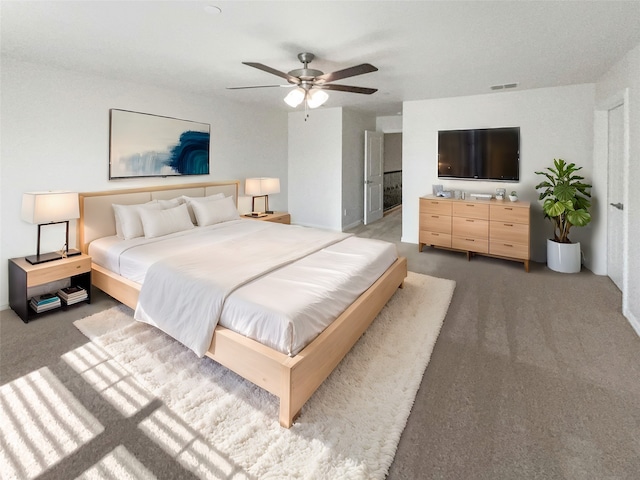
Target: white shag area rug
<point>350,427</point>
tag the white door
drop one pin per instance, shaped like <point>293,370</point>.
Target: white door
<point>615,187</point>
<point>373,176</point>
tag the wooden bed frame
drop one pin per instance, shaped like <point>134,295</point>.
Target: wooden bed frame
<point>292,379</point>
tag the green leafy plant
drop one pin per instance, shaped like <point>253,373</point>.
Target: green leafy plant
<point>514,193</point>
<point>566,198</point>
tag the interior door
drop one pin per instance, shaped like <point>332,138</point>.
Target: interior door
<point>615,188</point>
<point>373,176</point>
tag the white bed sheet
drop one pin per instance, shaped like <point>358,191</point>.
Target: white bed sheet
<point>285,309</point>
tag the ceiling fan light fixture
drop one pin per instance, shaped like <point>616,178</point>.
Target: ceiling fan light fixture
<point>295,97</point>
<point>316,97</point>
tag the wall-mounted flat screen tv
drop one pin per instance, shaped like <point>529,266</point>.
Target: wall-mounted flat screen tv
<point>483,154</point>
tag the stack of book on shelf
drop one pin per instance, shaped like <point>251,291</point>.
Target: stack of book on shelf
<point>42,303</point>
<point>71,295</point>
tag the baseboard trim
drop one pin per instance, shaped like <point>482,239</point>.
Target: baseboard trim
<point>634,322</point>
<point>352,225</point>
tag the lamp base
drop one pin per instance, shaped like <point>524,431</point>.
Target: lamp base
<point>256,214</point>
<point>44,257</point>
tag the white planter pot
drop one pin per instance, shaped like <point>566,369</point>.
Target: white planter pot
<point>563,257</point>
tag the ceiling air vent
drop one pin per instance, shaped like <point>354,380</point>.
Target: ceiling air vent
<point>504,86</point>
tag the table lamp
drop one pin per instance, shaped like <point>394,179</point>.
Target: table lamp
<point>261,187</point>
<point>50,208</point>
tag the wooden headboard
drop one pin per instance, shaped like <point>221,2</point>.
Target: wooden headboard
<point>96,213</point>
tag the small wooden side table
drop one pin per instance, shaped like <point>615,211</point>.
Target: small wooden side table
<point>23,275</point>
<point>275,217</point>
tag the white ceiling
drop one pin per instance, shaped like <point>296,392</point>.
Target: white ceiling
<point>423,49</point>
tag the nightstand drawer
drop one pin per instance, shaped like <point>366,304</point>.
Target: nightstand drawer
<point>279,218</point>
<point>50,272</point>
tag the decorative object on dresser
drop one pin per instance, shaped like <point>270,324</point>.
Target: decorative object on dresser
<point>261,187</point>
<point>50,208</point>
<point>513,196</point>
<point>145,145</point>
<point>23,276</point>
<point>485,227</point>
<point>566,204</point>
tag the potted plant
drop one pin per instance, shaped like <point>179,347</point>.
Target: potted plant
<point>566,204</point>
<point>513,196</point>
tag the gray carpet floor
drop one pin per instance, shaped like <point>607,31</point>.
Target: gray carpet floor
<point>534,375</point>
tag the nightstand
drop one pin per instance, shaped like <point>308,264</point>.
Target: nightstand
<point>275,217</point>
<point>23,275</point>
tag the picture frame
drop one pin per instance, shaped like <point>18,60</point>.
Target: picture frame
<point>147,145</point>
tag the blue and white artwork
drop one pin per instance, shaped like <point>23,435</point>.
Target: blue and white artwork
<point>144,145</point>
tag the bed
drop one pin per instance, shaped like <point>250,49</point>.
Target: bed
<point>292,374</point>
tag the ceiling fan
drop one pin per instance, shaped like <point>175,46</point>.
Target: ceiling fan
<point>310,83</point>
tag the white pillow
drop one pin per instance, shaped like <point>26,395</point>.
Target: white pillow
<point>190,200</point>
<point>157,223</point>
<point>215,211</point>
<point>174,202</point>
<point>128,223</point>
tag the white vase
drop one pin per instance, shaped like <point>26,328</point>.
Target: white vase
<point>563,257</point>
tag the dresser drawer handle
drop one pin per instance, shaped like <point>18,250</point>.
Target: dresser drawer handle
<point>435,216</point>
<point>508,224</point>
<point>508,208</point>
<point>470,205</point>
<point>470,240</point>
<point>435,234</point>
<point>469,220</point>
<point>507,245</point>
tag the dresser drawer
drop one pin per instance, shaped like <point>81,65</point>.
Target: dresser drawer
<point>470,244</point>
<point>509,213</point>
<point>435,238</point>
<point>439,207</point>
<point>509,232</point>
<point>435,223</point>
<point>470,227</point>
<point>511,250</point>
<point>471,210</point>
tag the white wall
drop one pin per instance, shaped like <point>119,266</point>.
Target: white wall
<point>389,124</point>
<point>353,128</point>
<point>554,123</point>
<point>55,136</point>
<point>315,168</point>
<point>626,75</point>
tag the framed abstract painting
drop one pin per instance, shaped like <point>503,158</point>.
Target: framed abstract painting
<point>145,145</point>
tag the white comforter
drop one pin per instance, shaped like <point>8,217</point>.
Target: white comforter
<point>284,309</point>
<point>195,284</point>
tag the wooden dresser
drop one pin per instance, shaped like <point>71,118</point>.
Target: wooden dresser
<point>497,228</point>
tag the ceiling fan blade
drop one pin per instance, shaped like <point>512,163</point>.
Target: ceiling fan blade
<point>347,88</point>
<point>347,72</point>
<point>273,71</point>
<point>260,86</point>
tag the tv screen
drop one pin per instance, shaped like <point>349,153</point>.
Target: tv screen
<point>484,154</point>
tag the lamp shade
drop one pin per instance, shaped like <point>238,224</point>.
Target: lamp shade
<point>47,207</point>
<point>258,187</point>
<point>295,97</point>
<point>316,97</point>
